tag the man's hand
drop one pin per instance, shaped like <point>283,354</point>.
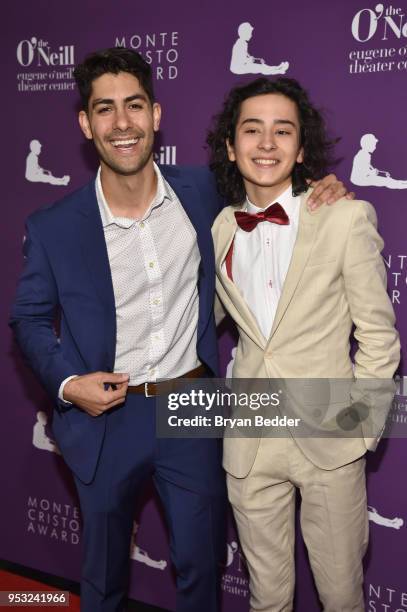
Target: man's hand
<point>88,391</point>
<point>327,191</point>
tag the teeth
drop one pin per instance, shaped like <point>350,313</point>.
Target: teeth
<point>266,162</point>
<point>121,143</point>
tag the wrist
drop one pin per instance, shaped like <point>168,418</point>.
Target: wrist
<point>65,388</point>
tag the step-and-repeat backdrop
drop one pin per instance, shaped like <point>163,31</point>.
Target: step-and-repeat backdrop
<point>352,57</point>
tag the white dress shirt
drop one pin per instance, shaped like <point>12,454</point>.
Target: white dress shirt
<point>154,264</point>
<point>261,259</point>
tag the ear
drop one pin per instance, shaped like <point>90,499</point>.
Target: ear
<point>230,150</point>
<point>85,125</point>
<point>300,156</point>
<point>156,116</point>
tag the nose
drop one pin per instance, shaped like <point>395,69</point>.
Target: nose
<point>267,141</point>
<point>122,121</point>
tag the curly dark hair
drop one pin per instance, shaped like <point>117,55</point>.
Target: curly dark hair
<point>318,148</point>
<point>113,60</point>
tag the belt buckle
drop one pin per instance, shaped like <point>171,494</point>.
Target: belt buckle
<point>146,393</point>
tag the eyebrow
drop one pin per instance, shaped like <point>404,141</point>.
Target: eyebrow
<point>276,121</point>
<point>126,100</point>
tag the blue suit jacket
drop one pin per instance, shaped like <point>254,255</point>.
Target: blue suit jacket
<point>67,273</point>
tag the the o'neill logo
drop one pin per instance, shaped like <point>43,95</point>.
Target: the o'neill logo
<point>385,27</point>
<point>42,54</point>
<point>242,62</point>
<point>235,579</point>
<point>44,67</point>
<point>166,155</point>
<point>398,413</point>
<point>232,549</point>
<point>385,22</point>
<point>401,389</point>
<point>160,49</point>
<point>365,174</point>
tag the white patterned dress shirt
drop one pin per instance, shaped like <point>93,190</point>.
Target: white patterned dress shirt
<point>154,264</point>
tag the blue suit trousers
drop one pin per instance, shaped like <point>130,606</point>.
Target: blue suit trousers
<point>189,479</point>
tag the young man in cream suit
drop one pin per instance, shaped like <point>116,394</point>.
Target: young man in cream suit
<point>295,281</point>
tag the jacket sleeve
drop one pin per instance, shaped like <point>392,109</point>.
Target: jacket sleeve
<point>33,316</point>
<point>378,353</point>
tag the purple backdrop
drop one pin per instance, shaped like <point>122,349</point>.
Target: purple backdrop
<point>354,62</point>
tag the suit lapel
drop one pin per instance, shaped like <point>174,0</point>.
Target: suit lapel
<point>305,239</point>
<point>94,252</point>
<point>190,200</point>
<point>241,312</point>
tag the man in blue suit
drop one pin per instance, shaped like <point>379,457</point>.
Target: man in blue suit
<point>127,262</point>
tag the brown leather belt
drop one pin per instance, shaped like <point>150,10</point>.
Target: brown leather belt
<point>150,389</point>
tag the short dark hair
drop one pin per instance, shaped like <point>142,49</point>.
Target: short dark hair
<point>113,60</point>
<point>318,148</point>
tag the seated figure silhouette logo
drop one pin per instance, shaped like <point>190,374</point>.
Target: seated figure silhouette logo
<point>229,367</point>
<point>36,174</point>
<point>40,438</point>
<point>138,554</point>
<point>375,517</point>
<point>364,174</point>
<point>244,63</point>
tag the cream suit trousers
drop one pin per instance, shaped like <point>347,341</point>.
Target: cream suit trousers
<point>334,524</point>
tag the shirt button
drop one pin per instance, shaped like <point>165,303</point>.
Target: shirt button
<point>142,224</point>
<point>151,264</point>
<point>156,302</point>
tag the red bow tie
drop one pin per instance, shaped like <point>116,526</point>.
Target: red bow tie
<point>274,213</point>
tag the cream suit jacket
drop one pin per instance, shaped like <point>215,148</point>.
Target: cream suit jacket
<point>336,278</point>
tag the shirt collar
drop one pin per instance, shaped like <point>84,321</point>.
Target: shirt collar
<point>163,193</point>
<point>289,202</point>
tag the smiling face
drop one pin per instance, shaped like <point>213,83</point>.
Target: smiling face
<point>121,121</point>
<point>266,145</point>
